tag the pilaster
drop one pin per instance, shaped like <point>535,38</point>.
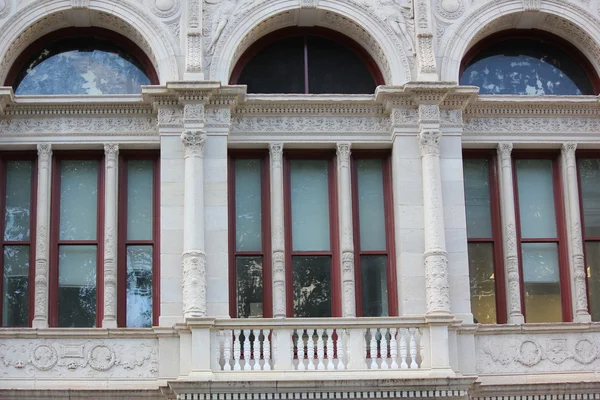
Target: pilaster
<point>426,64</point>
<point>111,152</point>
<point>194,42</point>
<point>509,235</point>
<point>277,230</point>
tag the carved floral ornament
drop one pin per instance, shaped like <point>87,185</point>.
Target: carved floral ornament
<point>193,142</point>
<point>5,8</point>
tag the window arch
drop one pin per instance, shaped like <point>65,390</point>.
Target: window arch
<point>528,62</point>
<point>81,61</point>
<point>298,60</point>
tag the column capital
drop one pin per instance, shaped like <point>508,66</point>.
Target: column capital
<point>568,150</point>
<point>343,153</point>
<point>430,142</point>
<point>505,150</point>
<point>111,150</point>
<point>193,142</point>
<point>276,152</point>
<point>44,152</point>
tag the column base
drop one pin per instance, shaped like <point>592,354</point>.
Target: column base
<point>109,323</point>
<point>39,323</point>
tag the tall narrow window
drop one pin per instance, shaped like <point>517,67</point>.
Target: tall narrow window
<point>138,236</point>
<point>249,238</point>
<point>17,225</point>
<point>311,225</point>
<point>589,186</point>
<point>76,238</point>
<point>484,240</point>
<point>374,272</point>
<point>540,234</point>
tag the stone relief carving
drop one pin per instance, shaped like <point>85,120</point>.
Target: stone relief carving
<point>450,9</point>
<point>193,112</point>
<point>79,358</point>
<point>218,117</point>
<point>131,126</point>
<point>398,15</point>
<point>170,116</point>
<point>219,13</point>
<point>163,8</point>
<point>5,8</point>
<point>194,283</point>
<point>532,126</point>
<point>316,124</point>
<point>532,5</point>
<point>80,4</point>
<point>193,142</point>
<point>430,142</point>
<point>436,282</point>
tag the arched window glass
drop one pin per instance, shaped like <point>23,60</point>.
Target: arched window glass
<point>92,64</point>
<point>527,64</point>
<point>306,61</point>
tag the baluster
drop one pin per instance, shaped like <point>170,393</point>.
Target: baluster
<point>341,350</point>
<point>373,347</point>
<point>311,348</point>
<point>394,348</point>
<point>403,363</point>
<point>300,349</point>
<point>267,350</point>
<point>247,349</point>
<point>227,350</point>
<point>256,349</point>
<point>320,349</point>
<point>236,350</point>
<point>384,349</point>
<point>413,349</point>
<point>330,349</point>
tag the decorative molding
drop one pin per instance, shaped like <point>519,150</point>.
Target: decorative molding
<point>132,126</point>
<point>5,8</point>
<point>429,114</point>
<point>430,142</point>
<point>308,3</point>
<point>310,124</point>
<point>534,107</point>
<point>193,14</point>
<point>450,9</point>
<point>532,5</point>
<point>333,395</point>
<point>532,126</point>
<point>194,283</point>
<point>193,142</point>
<point>193,112</point>
<point>218,117</point>
<point>170,116</point>
<point>426,53</point>
<point>332,107</point>
<point>163,8</point>
<point>80,4</point>
<point>193,59</point>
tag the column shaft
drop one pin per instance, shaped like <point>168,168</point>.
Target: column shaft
<point>347,237</point>
<point>111,151</point>
<point>277,230</point>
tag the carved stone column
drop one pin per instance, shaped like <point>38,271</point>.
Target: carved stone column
<point>346,239</point>
<point>277,230</point>
<point>40,318</point>
<point>194,256</point>
<point>111,152</point>
<point>509,236</point>
<point>576,237</point>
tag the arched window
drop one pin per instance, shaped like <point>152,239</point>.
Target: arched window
<point>76,61</point>
<point>531,62</point>
<point>309,60</point>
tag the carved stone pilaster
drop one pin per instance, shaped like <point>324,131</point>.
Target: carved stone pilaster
<point>193,61</point>
<point>348,285</point>
<point>437,284</point>
<point>576,237</point>
<point>279,297</point>
<point>40,318</point>
<point>511,260</point>
<point>194,284</point>
<point>277,230</point>
<point>111,152</point>
<point>345,223</point>
<point>193,143</point>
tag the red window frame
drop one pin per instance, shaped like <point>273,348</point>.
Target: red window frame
<point>123,242</point>
<point>336,292</point>
<point>560,240</point>
<point>19,156</point>
<point>389,252</point>
<point>265,253</point>
<point>55,233</point>
<point>496,220</point>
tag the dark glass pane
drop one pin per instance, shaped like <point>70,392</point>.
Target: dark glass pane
<point>312,286</point>
<point>536,198</point>
<point>18,200</point>
<point>526,67</point>
<point>248,211</point>
<point>78,199</point>
<point>483,282</point>
<point>589,173</point>
<point>81,66</point>
<point>16,283</point>
<point>140,177</point>
<point>477,198</point>
<point>371,211</point>
<point>249,286</point>
<point>592,258</point>
<point>277,68</point>
<point>333,68</point>
<point>542,282</point>
<point>77,286</point>
<point>374,286</point>
<point>139,286</point>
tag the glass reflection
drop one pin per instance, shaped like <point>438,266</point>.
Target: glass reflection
<point>140,176</point>
<point>16,283</point>
<point>312,286</point>
<point>542,282</point>
<point>589,173</point>
<point>248,212</point>
<point>536,198</point>
<point>139,286</point>
<point>374,286</point>
<point>78,199</point>
<point>77,286</point>
<point>592,257</point>
<point>18,200</point>
<point>483,282</point>
<point>371,211</point>
<point>477,198</point>
<point>249,286</point>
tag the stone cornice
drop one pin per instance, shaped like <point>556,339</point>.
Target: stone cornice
<point>534,106</point>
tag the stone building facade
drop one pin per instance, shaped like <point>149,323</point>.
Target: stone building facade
<point>183,132</point>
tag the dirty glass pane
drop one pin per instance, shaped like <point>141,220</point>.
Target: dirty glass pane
<point>477,197</point>
<point>15,310</point>
<point>140,174</point>
<point>81,66</point>
<point>374,285</point>
<point>249,286</point>
<point>526,67</point>
<point>310,205</point>
<point>542,282</point>
<point>483,282</point>
<point>312,286</point>
<point>371,211</point>
<point>77,286</point>
<point>139,286</point>
<point>592,258</point>
<point>248,212</point>
<point>18,200</point>
<point>536,198</point>
<point>589,174</point>
<point>78,199</point>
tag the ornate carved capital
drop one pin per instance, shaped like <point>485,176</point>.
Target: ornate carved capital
<point>430,142</point>
<point>504,151</point>
<point>111,151</point>
<point>343,154</point>
<point>193,142</point>
<point>276,152</point>
<point>568,150</point>
<point>44,154</point>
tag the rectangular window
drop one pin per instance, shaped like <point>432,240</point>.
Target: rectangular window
<point>17,185</point>
<point>249,238</point>
<point>484,238</point>
<point>540,234</point>
<point>373,239</point>
<point>76,258</point>
<point>311,237</point>
<point>138,268</point>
